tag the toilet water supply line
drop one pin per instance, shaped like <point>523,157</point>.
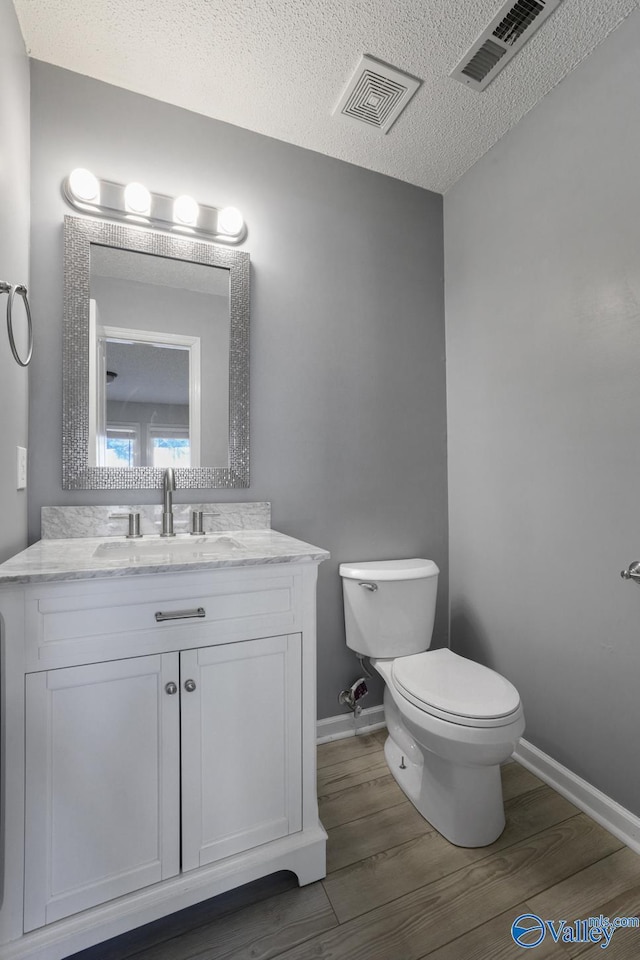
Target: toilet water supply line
<point>355,692</point>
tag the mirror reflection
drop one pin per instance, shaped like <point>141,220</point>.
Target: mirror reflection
<point>144,418</point>
<point>155,325</point>
<point>156,359</point>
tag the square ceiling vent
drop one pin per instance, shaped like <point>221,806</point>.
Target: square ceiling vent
<point>377,94</point>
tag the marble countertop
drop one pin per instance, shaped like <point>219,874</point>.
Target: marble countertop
<point>98,557</point>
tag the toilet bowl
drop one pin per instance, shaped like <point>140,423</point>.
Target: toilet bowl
<point>451,721</point>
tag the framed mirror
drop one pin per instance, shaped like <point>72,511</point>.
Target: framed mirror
<point>155,359</point>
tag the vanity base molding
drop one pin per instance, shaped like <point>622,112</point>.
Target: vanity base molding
<point>303,854</point>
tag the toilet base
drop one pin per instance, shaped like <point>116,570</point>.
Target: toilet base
<point>463,803</point>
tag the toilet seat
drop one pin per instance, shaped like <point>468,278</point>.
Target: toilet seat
<point>445,685</point>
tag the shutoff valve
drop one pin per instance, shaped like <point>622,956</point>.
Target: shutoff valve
<point>356,692</point>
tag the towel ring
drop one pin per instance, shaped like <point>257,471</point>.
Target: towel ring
<point>21,290</point>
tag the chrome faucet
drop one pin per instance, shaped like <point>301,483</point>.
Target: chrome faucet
<point>168,486</point>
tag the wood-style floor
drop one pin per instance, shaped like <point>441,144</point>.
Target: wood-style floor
<point>396,890</point>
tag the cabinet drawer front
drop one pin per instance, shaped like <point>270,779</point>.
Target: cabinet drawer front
<point>113,619</point>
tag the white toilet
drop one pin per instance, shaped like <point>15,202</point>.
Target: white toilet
<point>451,721</point>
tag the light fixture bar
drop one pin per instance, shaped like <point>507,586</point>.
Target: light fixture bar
<point>224,225</point>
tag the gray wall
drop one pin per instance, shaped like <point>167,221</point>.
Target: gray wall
<point>348,434</point>
<point>14,268</point>
<point>542,254</point>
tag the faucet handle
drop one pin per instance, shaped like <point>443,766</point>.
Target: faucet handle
<point>134,523</point>
<point>197,529</point>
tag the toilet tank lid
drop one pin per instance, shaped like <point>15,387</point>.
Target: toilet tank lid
<point>415,569</point>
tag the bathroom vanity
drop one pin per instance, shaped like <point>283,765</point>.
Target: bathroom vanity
<point>158,717</point>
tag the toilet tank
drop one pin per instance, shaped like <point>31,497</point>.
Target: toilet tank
<point>389,606</point>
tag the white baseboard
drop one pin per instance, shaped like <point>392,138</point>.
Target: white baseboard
<point>616,819</point>
<point>346,725</point>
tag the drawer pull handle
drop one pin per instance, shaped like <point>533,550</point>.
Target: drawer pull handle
<point>180,614</point>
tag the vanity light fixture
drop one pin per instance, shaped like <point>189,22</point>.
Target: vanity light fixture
<point>185,211</point>
<point>230,221</point>
<point>137,199</point>
<point>104,198</point>
<point>84,185</point>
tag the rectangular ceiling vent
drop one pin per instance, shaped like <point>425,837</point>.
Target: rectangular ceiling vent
<point>514,24</point>
<point>376,94</point>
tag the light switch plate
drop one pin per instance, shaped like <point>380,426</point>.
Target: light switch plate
<point>21,464</point>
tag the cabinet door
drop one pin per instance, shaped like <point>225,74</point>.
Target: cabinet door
<point>102,784</point>
<point>241,746</point>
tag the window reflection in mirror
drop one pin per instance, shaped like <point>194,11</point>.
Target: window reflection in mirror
<point>158,356</point>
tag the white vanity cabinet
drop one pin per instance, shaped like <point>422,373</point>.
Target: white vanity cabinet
<point>102,784</point>
<point>241,747</point>
<point>138,768</point>
<point>153,761</point>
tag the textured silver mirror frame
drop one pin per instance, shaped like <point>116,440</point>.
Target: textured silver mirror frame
<point>79,234</point>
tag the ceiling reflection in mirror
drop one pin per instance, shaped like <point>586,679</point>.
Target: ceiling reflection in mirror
<point>156,359</point>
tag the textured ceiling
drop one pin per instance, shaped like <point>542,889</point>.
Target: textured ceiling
<point>278,67</point>
<point>159,271</point>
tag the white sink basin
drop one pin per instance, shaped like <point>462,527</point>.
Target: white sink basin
<point>169,548</point>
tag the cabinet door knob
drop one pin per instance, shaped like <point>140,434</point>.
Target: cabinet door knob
<point>189,685</point>
<point>171,688</point>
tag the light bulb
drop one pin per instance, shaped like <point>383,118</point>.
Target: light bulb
<point>185,210</point>
<point>137,199</point>
<point>230,221</point>
<point>84,186</point>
